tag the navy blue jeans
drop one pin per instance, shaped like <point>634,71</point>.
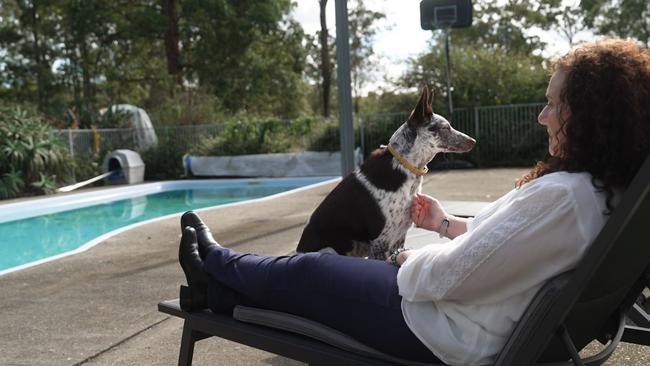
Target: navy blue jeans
<point>356,296</point>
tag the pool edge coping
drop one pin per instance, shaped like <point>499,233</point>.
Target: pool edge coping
<point>109,234</point>
<point>57,203</point>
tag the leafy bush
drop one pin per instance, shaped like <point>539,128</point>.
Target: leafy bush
<point>87,166</point>
<point>378,128</point>
<point>165,160</point>
<point>240,137</point>
<point>32,159</point>
<point>11,184</point>
<point>326,138</point>
<point>193,107</point>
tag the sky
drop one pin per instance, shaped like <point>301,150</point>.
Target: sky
<point>403,38</point>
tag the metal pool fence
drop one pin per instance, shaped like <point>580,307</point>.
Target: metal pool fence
<point>507,136</point>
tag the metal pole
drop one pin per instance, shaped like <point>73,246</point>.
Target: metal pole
<point>449,88</point>
<point>344,90</point>
<point>362,138</point>
<point>476,134</point>
<point>71,144</point>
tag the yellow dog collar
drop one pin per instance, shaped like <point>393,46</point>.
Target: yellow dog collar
<point>415,170</point>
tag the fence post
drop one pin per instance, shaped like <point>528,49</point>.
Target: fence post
<point>362,139</point>
<point>71,146</point>
<point>476,136</point>
<point>70,143</point>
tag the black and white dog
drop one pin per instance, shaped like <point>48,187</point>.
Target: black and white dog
<point>368,213</point>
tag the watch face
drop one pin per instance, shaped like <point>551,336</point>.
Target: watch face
<point>443,228</point>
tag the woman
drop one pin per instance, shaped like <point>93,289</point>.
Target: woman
<point>457,303</point>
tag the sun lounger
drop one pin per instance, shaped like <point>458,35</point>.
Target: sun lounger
<point>569,312</point>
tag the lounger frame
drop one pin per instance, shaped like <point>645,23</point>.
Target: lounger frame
<point>205,324</point>
<point>610,280</point>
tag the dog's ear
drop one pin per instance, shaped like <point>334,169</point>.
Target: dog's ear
<point>423,110</point>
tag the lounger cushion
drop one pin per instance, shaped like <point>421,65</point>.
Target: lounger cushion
<point>312,329</point>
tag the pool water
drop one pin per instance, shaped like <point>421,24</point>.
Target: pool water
<point>35,238</point>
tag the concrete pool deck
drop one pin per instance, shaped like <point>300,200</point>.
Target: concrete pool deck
<point>99,307</point>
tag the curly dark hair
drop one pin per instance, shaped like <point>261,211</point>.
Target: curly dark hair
<point>607,133</point>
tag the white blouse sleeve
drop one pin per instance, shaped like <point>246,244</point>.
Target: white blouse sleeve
<point>534,236</point>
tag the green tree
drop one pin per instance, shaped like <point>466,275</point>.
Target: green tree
<point>73,57</point>
<point>273,68</point>
<point>319,72</point>
<point>321,65</point>
<point>630,18</point>
<point>570,22</point>
<point>170,10</point>
<point>76,55</point>
<point>496,60</point>
<point>238,47</point>
<point>325,67</point>
<point>388,101</point>
<point>364,25</point>
<point>111,51</point>
<point>481,76</point>
<point>29,42</point>
<point>32,159</point>
<point>509,25</point>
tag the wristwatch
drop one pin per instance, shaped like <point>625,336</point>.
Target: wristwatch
<point>443,228</point>
<point>394,254</point>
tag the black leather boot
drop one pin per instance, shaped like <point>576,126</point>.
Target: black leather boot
<point>194,296</point>
<point>204,236</point>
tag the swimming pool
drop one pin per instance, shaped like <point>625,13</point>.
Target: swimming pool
<point>41,230</point>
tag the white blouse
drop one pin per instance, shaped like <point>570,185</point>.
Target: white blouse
<point>463,298</point>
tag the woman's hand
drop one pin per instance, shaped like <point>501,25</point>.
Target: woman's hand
<point>426,212</point>
<point>401,258</point>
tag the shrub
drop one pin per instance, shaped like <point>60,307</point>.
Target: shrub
<point>165,160</point>
<point>241,137</point>
<point>87,166</point>
<point>327,137</point>
<point>11,184</point>
<point>32,159</point>
<point>193,107</point>
<point>378,128</point>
